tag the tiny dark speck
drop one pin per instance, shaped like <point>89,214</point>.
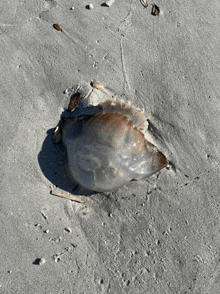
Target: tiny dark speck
<point>37,261</point>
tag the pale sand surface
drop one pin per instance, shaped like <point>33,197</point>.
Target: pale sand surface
<point>160,235</point>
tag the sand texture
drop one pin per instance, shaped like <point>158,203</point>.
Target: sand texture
<point>160,235</point>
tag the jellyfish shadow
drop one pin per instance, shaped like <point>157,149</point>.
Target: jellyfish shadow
<point>53,159</point>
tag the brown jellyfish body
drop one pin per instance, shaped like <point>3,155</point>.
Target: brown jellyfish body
<point>108,149</point>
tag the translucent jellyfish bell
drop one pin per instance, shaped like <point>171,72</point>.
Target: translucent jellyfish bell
<point>108,149</point>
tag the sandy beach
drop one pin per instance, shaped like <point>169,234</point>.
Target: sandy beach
<point>160,235</point>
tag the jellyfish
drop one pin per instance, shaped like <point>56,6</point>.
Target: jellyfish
<point>108,149</point>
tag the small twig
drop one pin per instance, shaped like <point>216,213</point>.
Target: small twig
<point>57,135</point>
<point>59,194</point>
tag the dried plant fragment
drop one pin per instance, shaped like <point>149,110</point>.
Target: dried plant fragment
<point>59,194</point>
<point>57,27</point>
<point>144,3</point>
<point>57,135</point>
<point>74,101</point>
<point>97,85</point>
<point>155,10</point>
